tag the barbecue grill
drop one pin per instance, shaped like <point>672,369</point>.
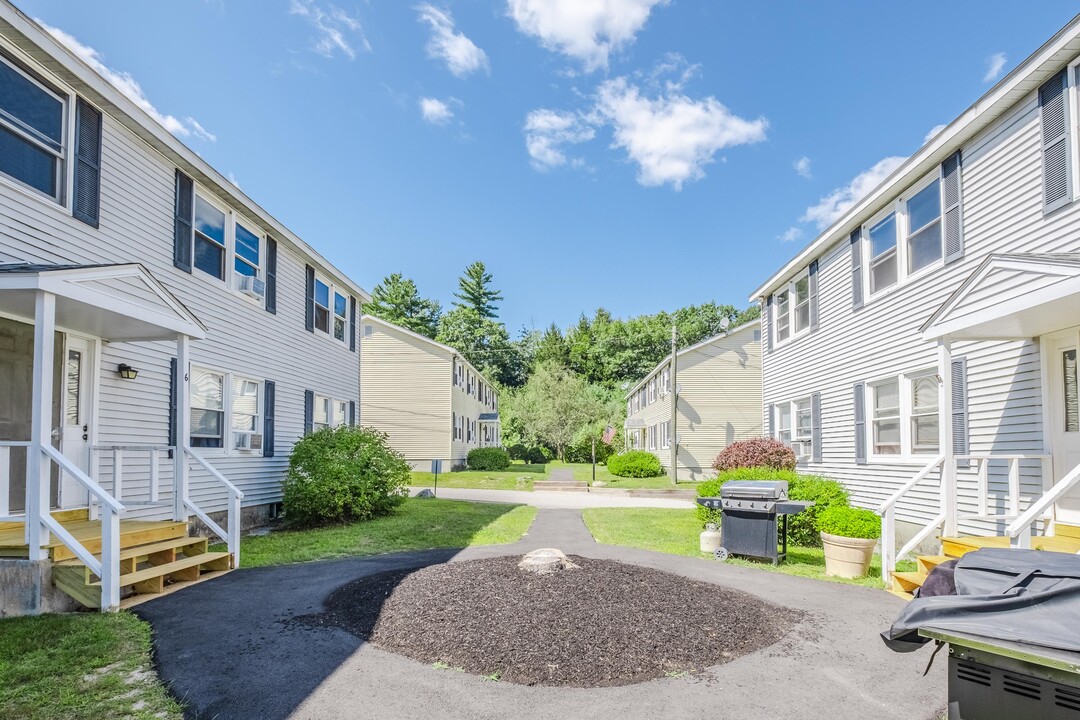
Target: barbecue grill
<point>754,518</point>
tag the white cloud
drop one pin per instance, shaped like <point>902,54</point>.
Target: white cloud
<point>547,132</point>
<point>335,29</point>
<point>671,137</point>
<point>125,83</point>
<point>587,30</point>
<point>933,132</point>
<point>840,200</point>
<point>436,111</point>
<point>802,167</point>
<point>791,234</point>
<point>994,65</point>
<point>232,179</point>
<point>461,54</point>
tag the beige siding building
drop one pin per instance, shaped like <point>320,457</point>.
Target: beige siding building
<point>719,400</point>
<point>432,403</point>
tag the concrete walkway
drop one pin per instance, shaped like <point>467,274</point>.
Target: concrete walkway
<point>558,500</point>
<point>232,649</point>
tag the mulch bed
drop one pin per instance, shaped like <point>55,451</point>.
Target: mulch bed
<point>602,624</point>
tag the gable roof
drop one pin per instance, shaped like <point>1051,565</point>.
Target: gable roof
<point>1039,67</point>
<point>691,348</point>
<point>39,44</point>
<point>424,339</point>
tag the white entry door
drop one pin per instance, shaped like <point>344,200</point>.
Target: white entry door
<point>76,396</point>
<point>1064,410</point>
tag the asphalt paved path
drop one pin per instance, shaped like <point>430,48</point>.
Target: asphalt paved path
<point>553,499</point>
<point>230,649</point>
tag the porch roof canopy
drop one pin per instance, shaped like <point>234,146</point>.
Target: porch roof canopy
<point>114,302</point>
<point>1011,297</point>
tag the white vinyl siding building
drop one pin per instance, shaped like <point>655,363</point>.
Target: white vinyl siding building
<point>719,384</point>
<point>919,343</point>
<point>130,206</point>
<point>429,400</point>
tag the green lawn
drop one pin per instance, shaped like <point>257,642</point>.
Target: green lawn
<point>519,476</point>
<point>80,666</point>
<point>676,532</point>
<point>419,524</point>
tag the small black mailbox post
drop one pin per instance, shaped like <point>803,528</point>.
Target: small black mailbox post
<point>754,518</point>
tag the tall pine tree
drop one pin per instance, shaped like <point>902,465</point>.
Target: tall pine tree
<point>476,292</point>
<point>397,300</point>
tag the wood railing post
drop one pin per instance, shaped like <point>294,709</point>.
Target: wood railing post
<point>1014,486</point>
<point>234,528</point>
<point>118,473</point>
<point>155,472</point>
<point>38,466</point>
<point>110,560</point>
<point>888,545</point>
<point>945,429</point>
<point>984,486</point>
<point>183,425</point>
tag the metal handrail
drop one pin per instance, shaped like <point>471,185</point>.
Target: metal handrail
<point>1016,530</point>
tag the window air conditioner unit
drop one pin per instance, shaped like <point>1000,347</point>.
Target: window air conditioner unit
<point>251,286</point>
<point>800,449</point>
<point>249,441</point>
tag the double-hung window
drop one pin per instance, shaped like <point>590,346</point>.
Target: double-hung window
<point>907,236</point>
<point>903,413</point>
<point>248,252</point>
<point>783,423</point>
<point>210,241</point>
<point>665,434</point>
<point>331,306</point>
<point>227,248</point>
<point>329,412</point>
<point>207,408</point>
<point>883,264</point>
<point>923,243</point>
<point>792,311</point>
<point>794,425</point>
<point>322,306</point>
<point>246,423</point>
<point>32,131</point>
<point>783,315</point>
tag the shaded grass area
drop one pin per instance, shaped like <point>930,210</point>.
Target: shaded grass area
<point>519,476</point>
<point>583,471</point>
<point>419,524</point>
<point>80,666</point>
<point>676,532</point>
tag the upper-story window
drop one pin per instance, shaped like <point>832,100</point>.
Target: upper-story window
<point>32,131</point>
<point>793,308</point>
<point>210,241</point>
<point>248,251</point>
<point>331,309</point>
<point>223,241</point>
<point>906,237</point>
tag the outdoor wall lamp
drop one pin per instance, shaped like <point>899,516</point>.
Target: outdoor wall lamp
<point>126,371</point>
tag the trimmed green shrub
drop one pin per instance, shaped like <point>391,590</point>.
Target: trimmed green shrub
<point>343,474</point>
<point>490,458</point>
<point>539,456</point>
<point>851,522</point>
<point>711,488</point>
<point>635,463</point>
<point>758,452</point>
<point>518,452</point>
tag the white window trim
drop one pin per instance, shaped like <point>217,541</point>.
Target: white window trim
<point>806,441</point>
<point>774,320</point>
<point>899,207</point>
<point>69,96</point>
<point>338,290</point>
<point>259,413</point>
<point>906,455</point>
<point>1072,97</point>
<point>227,440</point>
<point>332,419</point>
<point>665,435</point>
<point>231,281</point>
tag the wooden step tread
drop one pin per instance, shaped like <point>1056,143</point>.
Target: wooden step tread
<point>136,551</point>
<point>957,546</point>
<point>902,594</point>
<point>929,562</point>
<point>133,600</point>
<point>156,571</point>
<point>909,581</point>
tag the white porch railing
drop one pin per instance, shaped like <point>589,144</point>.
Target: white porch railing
<point>121,455</point>
<point>948,515</point>
<point>5,477</point>
<point>231,535</point>
<point>1019,531</point>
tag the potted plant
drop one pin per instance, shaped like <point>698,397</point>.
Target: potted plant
<point>849,536</point>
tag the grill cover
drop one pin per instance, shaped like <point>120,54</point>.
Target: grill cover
<point>755,489</point>
<point>1027,596</point>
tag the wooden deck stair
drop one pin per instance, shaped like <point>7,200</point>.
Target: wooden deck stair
<point>155,557</point>
<point>1066,540</point>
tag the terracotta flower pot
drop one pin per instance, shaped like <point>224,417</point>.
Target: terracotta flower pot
<point>847,557</point>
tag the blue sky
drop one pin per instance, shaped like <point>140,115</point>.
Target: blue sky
<point>638,155</point>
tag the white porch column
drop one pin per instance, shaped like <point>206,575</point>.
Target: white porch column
<point>183,430</point>
<point>945,429</point>
<point>39,466</point>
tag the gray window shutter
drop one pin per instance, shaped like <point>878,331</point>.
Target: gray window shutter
<point>856,269</point>
<point>352,323</point>
<point>173,400</point>
<point>954,227</point>
<point>1054,113</point>
<point>815,427</point>
<point>268,418</point>
<point>813,277</point>
<point>770,415</point>
<point>959,402</point>
<point>309,301</point>
<point>183,222</point>
<point>271,276</point>
<point>309,411</point>
<point>860,424</point>
<point>86,200</point>
<point>352,412</point>
<point>769,320</point>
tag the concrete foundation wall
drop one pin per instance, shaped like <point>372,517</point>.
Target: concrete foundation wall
<point>26,588</point>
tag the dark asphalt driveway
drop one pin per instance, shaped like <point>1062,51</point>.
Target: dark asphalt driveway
<point>229,649</point>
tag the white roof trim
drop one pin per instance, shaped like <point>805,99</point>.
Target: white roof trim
<point>424,339</point>
<point>1025,78</point>
<point>691,348</point>
<point>1030,311</point>
<point>102,93</point>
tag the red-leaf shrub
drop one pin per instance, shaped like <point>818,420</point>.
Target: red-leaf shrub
<point>759,452</point>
